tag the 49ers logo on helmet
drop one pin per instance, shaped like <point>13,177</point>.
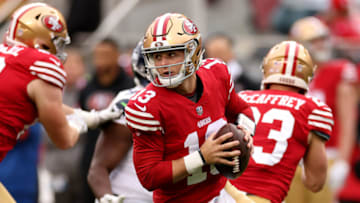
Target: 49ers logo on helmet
<point>53,23</point>
<point>189,27</point>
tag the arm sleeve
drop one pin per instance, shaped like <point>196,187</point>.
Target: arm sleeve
<point>320,120</point>
<point>152,171</point>
<point>235,104</point>
<point>50,70</point>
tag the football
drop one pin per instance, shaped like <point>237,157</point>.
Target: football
<point>233,172</point>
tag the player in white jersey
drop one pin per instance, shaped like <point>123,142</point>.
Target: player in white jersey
<point>112,175</point>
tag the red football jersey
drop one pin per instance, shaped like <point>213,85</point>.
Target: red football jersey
<point>167,126</point>
<point>284,120</point>
<point>324,86</point>
<point>18,66</point>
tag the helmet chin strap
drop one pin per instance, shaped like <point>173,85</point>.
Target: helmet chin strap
<point>37,46</point>
<point>174,81</point>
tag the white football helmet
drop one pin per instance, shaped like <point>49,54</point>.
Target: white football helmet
<point>169,32</point>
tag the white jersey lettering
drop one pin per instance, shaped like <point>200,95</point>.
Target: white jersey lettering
<point>280,100</point>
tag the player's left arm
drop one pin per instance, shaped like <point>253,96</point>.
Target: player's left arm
<point>347,101</point>
<point>315,163</point>
<point>320,122</point>
<point>239,112</point>
<point>112,146</point>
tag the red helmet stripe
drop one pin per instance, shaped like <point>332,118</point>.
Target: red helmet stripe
<point>160,27</point>
<point>286,57</point>
<point>155,28</point>
<point>290,57</point>
<point>166,21</point>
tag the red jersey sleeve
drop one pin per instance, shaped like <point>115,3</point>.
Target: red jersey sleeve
<point>235,105</point>
<point>152,171</point>
<point>320,119</point>
<point>236,108</point>
<point>48,68</point>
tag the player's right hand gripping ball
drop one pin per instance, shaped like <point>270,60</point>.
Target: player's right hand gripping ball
<point>233,172</point>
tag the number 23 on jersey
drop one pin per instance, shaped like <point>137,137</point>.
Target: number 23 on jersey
<point>280,136</point>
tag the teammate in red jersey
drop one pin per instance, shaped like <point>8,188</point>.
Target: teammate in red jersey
<point>175,118</point>
<point>32,78</point>
<point>290,126</point>
<point>334,83</point>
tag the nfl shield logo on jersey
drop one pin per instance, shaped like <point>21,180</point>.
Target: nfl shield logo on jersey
<point>199,110</point>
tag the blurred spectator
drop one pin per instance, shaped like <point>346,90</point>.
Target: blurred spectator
<point>108,79</point>
<point>220,45</point>
<point>23,184</point>
<point>125,60</point>
<point>63,165</point>
<point>334,83</point>
<point>289,11</point>
<point>76,78</point>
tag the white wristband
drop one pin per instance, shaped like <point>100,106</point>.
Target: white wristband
<point>91,118</point>
<point>193,162</point>
<point>76,122</point>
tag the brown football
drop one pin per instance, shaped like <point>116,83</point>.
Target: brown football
<point>233,172</point>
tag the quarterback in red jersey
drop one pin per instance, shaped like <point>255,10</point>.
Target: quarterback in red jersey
<point>290,126</point>
<point>32,78</point>
<point>175,118</point>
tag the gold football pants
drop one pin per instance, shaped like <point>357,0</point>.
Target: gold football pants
<point>242,197</point>
<point>5,196</point>
<point>299,194</point>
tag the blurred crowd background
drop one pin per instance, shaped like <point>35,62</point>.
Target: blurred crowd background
<point>103,35</point>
